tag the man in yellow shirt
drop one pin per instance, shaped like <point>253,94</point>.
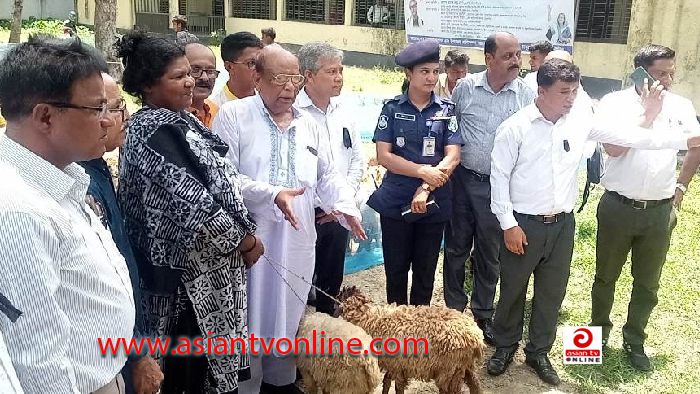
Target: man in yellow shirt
<point>456,68</point>
<point>239,51</point>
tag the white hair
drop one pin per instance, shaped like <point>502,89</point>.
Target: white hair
<point>310,55</point>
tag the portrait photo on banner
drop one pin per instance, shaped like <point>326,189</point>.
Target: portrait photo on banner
<point>467,23</point>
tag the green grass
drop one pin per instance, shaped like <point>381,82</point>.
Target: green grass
<point>673,329</point>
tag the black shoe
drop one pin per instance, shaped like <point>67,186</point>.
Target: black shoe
<point>486,327</point>
<point>637,357</point>
<point>267,388</point>
<point>500,361</point>
<point>540,363</point>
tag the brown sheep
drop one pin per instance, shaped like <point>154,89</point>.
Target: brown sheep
<point>456,347</point>
<point>346,373</point>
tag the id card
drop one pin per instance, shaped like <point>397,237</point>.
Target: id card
<point>429,146</point>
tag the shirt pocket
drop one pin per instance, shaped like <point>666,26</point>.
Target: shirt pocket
<point>307,167</point>
<point>405,134</point>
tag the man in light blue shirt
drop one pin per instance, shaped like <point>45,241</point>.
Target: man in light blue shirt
<point>482,101</point>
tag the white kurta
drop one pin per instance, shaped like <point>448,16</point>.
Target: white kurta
<point>268,161</point>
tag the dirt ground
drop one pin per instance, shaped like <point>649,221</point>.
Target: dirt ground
<point>519,379</point>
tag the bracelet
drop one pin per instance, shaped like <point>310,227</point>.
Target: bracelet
<point>255,243</point>
<point>683,188</point>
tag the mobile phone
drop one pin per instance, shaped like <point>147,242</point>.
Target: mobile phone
<point>638,76</point>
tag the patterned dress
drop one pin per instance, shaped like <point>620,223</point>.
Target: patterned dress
<point>185,217</point>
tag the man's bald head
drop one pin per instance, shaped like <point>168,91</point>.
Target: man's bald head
<point>273,52</point>
<point>559,54</point>
<point>202,62</point>
<point>197,49</point>
<point>277,78</point>
<point>497,39</point>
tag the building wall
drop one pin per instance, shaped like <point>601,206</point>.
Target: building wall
<point>40,9</point>
<point>604,66</point>
<point>125,13</point>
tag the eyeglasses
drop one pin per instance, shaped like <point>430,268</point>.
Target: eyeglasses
<point>101,109</point>
<point>121,109</point>
<point>282,79</point>
<point>211,72</point>
<point>249,63</point>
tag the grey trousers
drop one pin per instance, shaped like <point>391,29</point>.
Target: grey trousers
<point>472,224</point>
<point>548,257</point>
<point>645,232</point>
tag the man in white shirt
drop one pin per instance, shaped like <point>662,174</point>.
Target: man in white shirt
<point>534,188</point>
<point>538,53</point>
<point>9,384</point>
<point>285,162</point>
<point>322,66</point>
<point>58,264</point>
<point>238,51</point>
<point>636,210</point>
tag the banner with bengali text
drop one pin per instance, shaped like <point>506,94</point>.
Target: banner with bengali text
<point>467,23</point>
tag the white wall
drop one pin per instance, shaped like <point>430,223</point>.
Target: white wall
<point>40,9</point>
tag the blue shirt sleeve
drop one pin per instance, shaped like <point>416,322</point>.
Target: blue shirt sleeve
<point>384,132</point>
<point>452,136</point>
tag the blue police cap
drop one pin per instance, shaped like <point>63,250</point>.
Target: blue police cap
<point>426,51</point>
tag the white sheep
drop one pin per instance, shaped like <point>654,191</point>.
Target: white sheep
<point>342,374</point>
<point>455,343</point>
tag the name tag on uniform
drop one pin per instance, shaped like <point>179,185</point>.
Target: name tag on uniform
<point>429,146</point>
<point>403,116</point>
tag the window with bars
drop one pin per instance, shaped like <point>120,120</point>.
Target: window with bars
<point>329,12</point>
<point>603,21</point>
<point>254,9</point>
<point>152,6</point>
<point>388,14</point>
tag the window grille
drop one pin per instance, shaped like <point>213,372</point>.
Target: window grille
<point>254,9</point>
<point>603,21</point>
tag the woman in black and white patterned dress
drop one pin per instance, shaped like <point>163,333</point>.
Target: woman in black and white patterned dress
<point>185,217</point>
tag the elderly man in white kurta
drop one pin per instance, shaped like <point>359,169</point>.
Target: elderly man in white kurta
<point>284,161</point>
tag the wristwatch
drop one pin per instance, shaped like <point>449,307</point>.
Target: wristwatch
<point>425,187</point>
<point>683,188</point>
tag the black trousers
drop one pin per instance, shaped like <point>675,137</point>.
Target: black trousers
<point>548,257</point>
<point>331,242</point>
<point>647,234</point>
<point>410,246</point>
<point>472,223</point>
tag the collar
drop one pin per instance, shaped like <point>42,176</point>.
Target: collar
<point>434,99</point>
<point>228,93</point>
<point>43,175</point>
<point>261,104</point>
<point>482,80</point>
<point>304,101</point>
<point>97,164</point>
<point>533,113</point>
<point>193,111</point>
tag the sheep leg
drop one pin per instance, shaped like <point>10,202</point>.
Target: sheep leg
<point>473,381</point>
<point>386,384</point>
<point>310,383</point>
<point>400,385</point>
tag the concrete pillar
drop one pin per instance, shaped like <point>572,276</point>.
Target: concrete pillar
<point>280,9</point>
<point>349,12</point>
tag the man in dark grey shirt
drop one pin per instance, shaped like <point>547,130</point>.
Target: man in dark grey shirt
<point>483,101</point>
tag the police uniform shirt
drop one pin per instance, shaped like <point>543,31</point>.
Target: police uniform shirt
<point>403,126</point>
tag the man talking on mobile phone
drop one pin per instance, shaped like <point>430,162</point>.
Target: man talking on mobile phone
<point>636,212</point>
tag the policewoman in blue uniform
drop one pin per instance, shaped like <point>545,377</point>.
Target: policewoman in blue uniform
<point>418,143</point>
